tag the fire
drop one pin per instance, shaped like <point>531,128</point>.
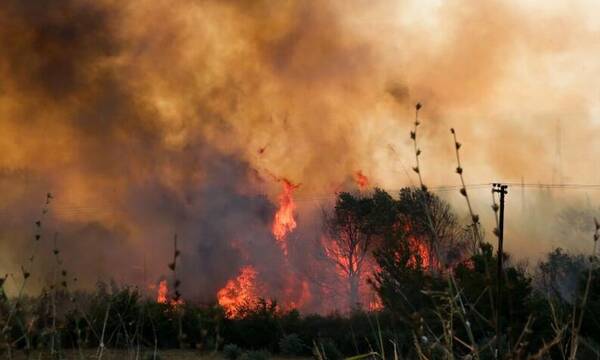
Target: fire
<point>239,292</point>
<point>349,264</point>
<point>361,180</point>
<point>343,264</point>
<point>420,249</point>
<point>162,294</point>
<point>375,304</point>
<point>303,297</point>
<point>284,221</point>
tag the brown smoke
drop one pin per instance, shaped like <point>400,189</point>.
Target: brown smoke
<point>147,118</point>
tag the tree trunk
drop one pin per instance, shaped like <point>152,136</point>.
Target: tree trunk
<point>354,280</point>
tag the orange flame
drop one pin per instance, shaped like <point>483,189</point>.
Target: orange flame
<point>284,221</point>
<point>343,264</point>
<point>375,304</point>
<point>361,180</point>
<point>162,294</point>
<point>238,292</point>
<point>420,249</point>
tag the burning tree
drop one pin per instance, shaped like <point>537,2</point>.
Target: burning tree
<point>432,227</point>
<point>349,238</point>
<point>424,238</point>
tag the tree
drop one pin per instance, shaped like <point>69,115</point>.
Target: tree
<point>349,234</point>
<point>431,220</point>
<point>425,240</point>
<point>557,276</point>
<point>418,229</point>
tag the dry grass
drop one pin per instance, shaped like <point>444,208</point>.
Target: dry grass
<point>125,355</point>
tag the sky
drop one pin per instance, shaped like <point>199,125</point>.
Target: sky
<point>146,118</point>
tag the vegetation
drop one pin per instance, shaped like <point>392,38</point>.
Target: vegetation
<point>437,304</point>
<point>434,275</point>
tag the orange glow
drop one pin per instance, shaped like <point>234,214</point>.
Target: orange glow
<point>375,304</point>
<point>162,295</point>
<point>284,222</point>
<point>361,180</point>
<point>346,266</point>
<point>239,292</point>
<point>163,292</point>
<point>343,264</point>
<point>303,298</point>
<point>420,249</point>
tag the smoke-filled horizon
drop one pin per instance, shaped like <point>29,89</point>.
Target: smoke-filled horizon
<point>150,118</point>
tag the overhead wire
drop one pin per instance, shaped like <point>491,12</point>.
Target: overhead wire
<point>74,209</point>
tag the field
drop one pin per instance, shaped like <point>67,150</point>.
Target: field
<point>126,355</point>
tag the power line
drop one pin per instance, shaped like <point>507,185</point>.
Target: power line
<point>555,186</point>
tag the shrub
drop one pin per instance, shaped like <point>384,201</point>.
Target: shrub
<point>151,356</point>
<point>232,352</point>
<point>257,329</point>
<point>330,351</point>
<point>255,355</point>
<point>291,345</point>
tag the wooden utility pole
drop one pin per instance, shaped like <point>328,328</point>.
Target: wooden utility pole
<point>502,190</point>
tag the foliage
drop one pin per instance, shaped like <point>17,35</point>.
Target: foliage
<point>256,329</point>
<point>291,345</point>
<point>231,351</point>
<point>591,319</point>
<point>255,355</point>
<point>328,350</point>
<point>438,299</point>
<point>557,276</point>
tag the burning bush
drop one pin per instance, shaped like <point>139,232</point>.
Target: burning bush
<point>239,293</point>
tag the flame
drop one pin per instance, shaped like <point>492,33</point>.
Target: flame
<point>162,294</point>
<point>420,249</point>
<point>239,292</point>
<point>361,180</point>
<point>344,267</point>
<point>375,304</point>
<point>339,256</point>
<point>303,298</point>
<point>284,221</point>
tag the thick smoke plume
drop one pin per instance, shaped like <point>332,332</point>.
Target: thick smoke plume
<point>149,118</point>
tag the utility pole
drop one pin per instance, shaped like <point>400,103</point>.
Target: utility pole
<point>502,190</point>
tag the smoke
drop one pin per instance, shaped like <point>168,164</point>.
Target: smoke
<point>151,118</point>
